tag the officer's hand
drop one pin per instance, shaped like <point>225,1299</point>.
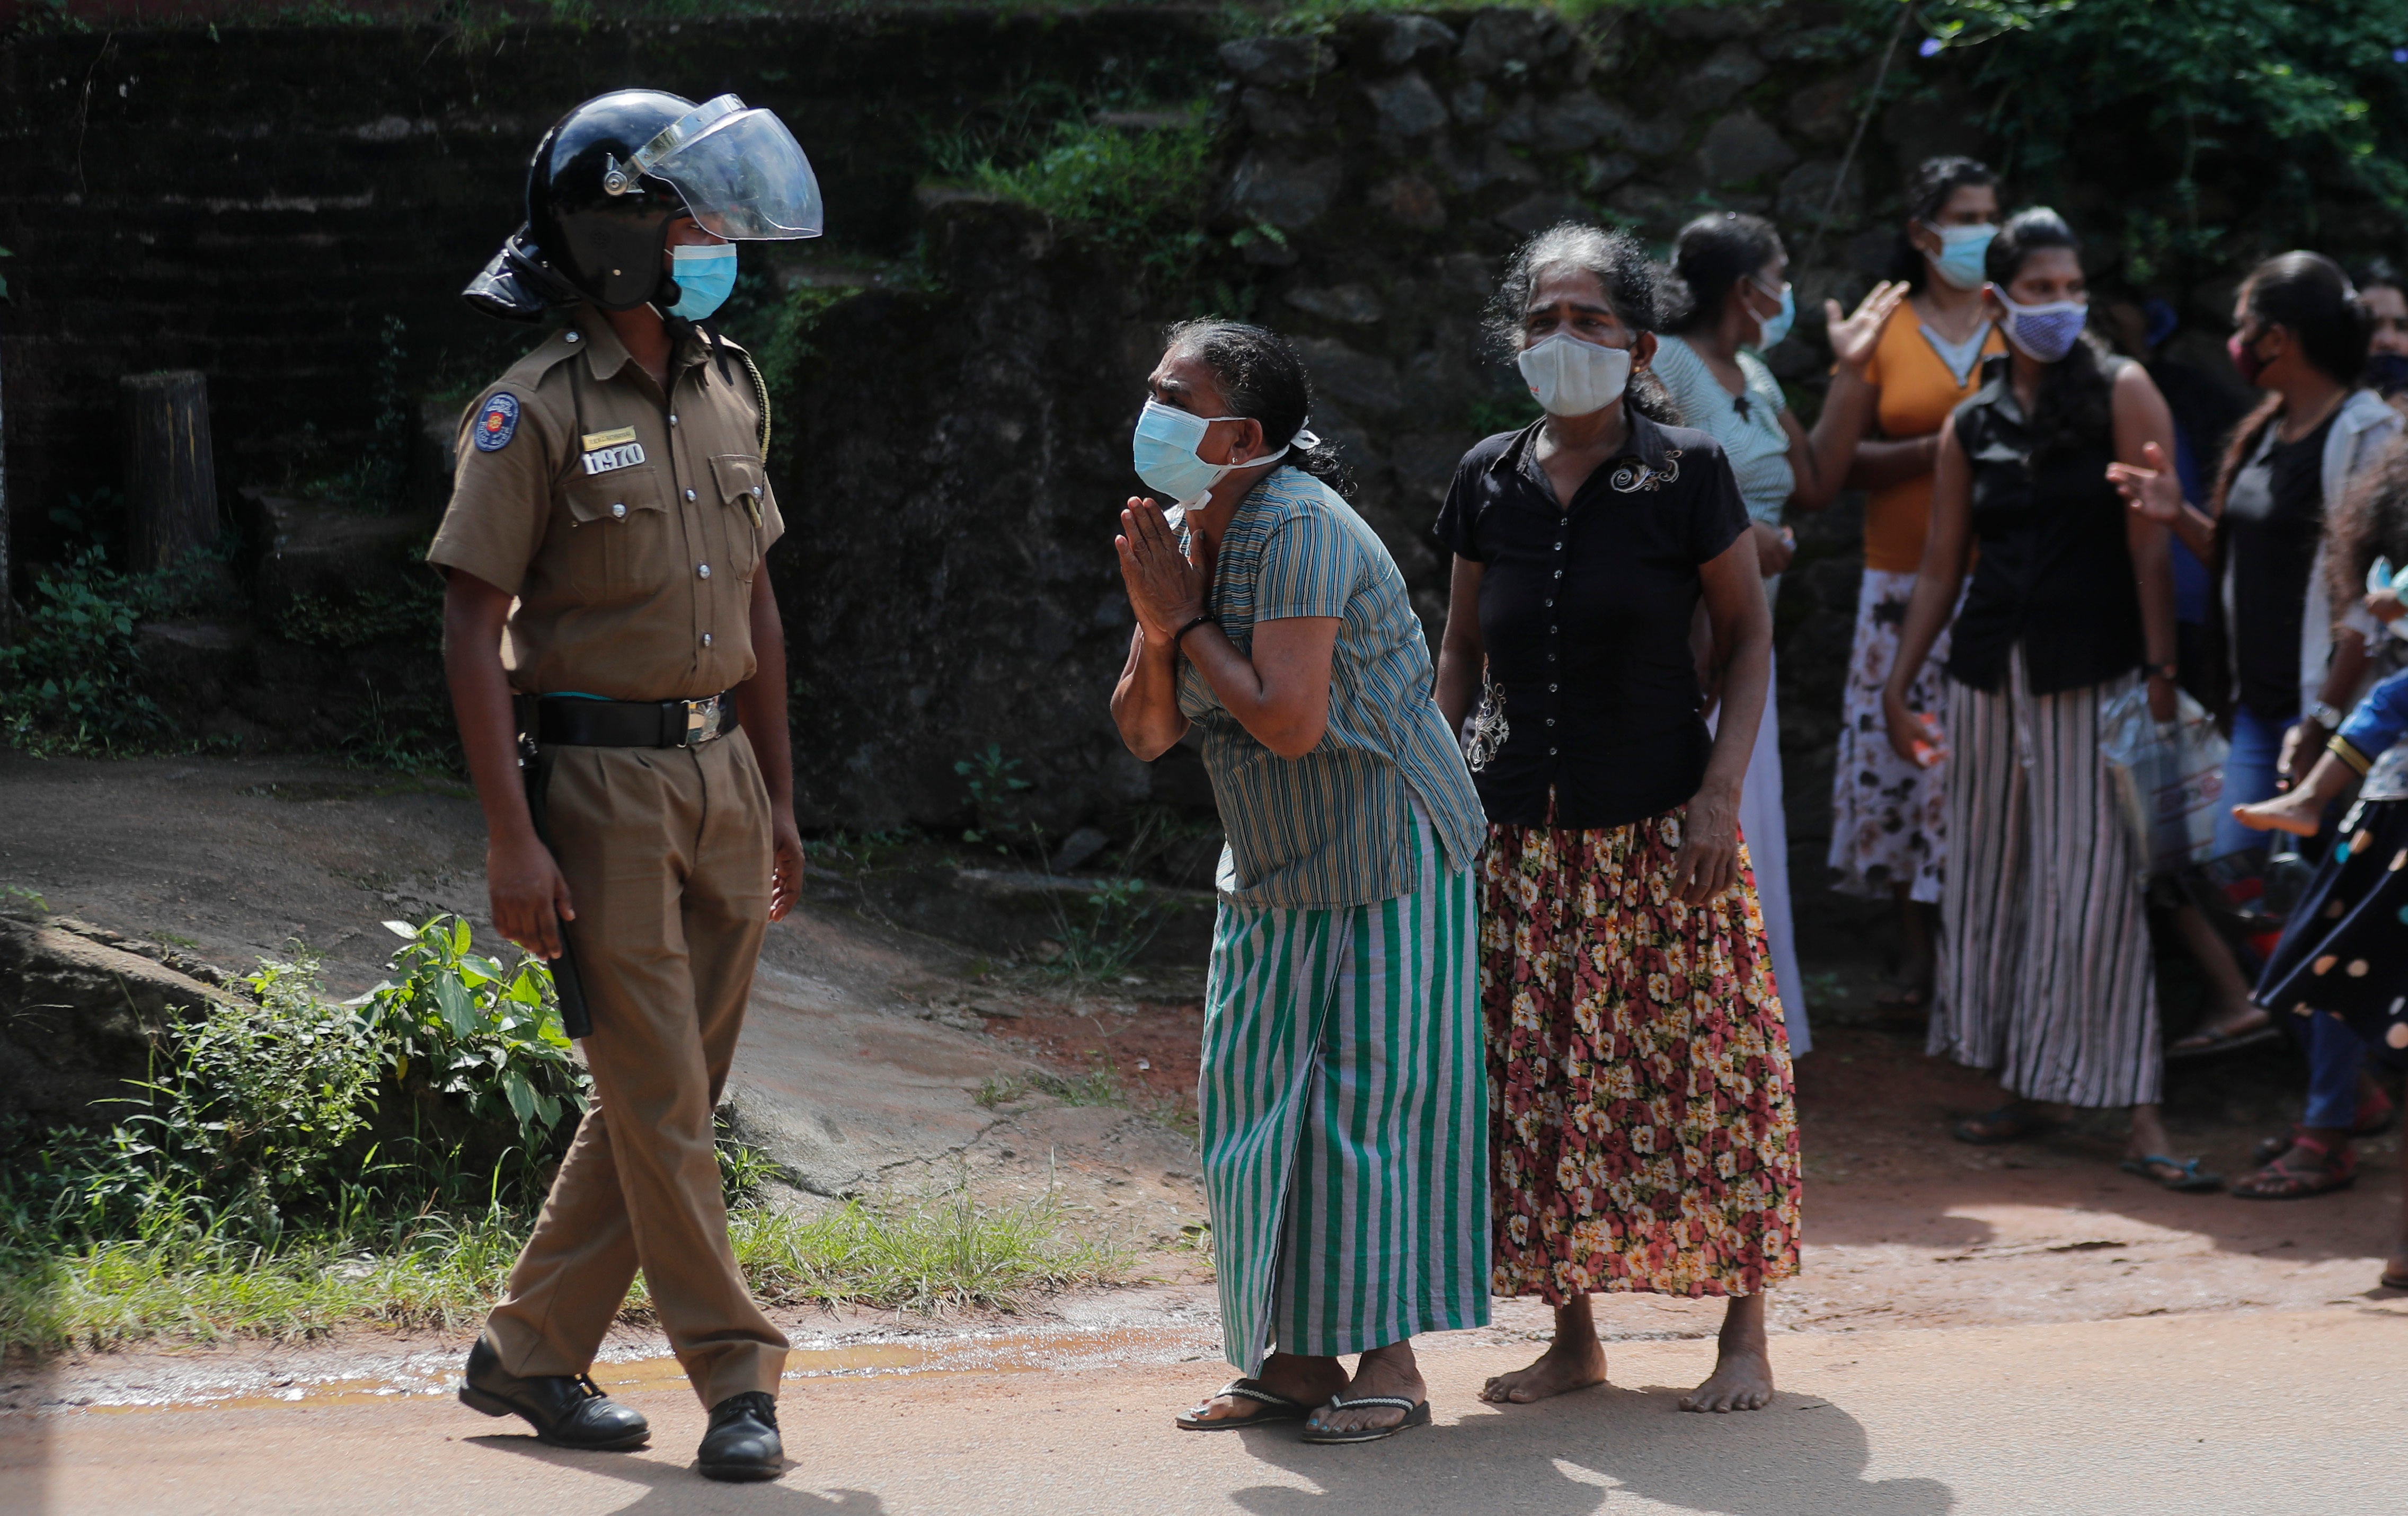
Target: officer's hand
<point>786,870</point>
<point>529,896</point>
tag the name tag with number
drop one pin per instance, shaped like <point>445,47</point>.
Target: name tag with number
<point>605,450</point>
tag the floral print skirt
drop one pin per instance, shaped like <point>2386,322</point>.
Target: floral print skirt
<point>1889,816</point>
<point>1643,1112</point>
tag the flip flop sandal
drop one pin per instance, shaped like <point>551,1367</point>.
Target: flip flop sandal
<point>2393,1281</point>
<point>2005,1124</point>
<point>1416,1415</point>
<point>2186,1179</point>
<point>2277,1182</point>
<point>2223,1043</point>
<point>1276,1407</point>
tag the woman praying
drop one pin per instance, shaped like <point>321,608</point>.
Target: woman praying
<point>1343,1117</point>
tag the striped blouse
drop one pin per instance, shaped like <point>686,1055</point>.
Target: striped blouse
<point>1332,828</point>
<point>1752,437</point>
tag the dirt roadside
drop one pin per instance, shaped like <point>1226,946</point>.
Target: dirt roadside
<point>874,1045</point>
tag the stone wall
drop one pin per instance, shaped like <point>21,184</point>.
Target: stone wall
<point>263,204</point>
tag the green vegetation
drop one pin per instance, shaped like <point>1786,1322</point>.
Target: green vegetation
<point>2285,103</point>
<point>1137,185</point>
<point>941,1251</point>
<point>68,685</point>
<point>296,1166</point>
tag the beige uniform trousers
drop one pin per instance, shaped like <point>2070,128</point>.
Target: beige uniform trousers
<point>666,852</point>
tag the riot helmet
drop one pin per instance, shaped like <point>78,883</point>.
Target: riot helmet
<point>610,177</point>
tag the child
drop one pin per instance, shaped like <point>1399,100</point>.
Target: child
<point>2344,951</point>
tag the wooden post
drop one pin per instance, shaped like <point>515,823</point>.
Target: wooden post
<point>171,480</point>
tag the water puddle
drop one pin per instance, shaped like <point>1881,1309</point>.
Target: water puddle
<point>1056,1350</point>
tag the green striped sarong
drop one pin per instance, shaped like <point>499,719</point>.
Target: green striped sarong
<point>1344,1110</point>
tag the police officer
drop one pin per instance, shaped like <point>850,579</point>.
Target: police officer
<point>619,672</point>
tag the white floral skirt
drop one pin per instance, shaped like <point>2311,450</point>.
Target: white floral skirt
<point>1888,817</point>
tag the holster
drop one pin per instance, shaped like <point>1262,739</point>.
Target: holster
<point>534,770</point>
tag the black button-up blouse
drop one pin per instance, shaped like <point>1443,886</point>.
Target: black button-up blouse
<point>2054,570</point>
<point>1585,613</point>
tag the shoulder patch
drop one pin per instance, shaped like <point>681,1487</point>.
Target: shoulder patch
<point>498,423</point>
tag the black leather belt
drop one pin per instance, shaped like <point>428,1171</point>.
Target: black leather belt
<point>574,721</point>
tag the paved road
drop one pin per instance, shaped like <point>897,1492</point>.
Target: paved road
<point>2269,1414</point>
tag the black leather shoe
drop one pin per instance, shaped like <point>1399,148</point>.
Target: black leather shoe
<point>565,1410</point>
<point>742,1442</point>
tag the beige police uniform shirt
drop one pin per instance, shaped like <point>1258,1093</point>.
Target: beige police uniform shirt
<point>629,524</point>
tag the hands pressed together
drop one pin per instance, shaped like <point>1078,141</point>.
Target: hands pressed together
<point>1165,588</point>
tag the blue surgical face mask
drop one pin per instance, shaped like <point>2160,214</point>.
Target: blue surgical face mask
<point>1963,250</point>
<point>705,276</point>
<point>2388,373</point>
<point>1776,327</point>
<point>1164,452</point>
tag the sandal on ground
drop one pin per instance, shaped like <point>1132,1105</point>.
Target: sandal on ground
<point>2186,1178</point>
<point>1275,1408</point>
<point>2206,1044</point>
<point>2279,1181</point>
<point>1416,1415</point>
<point>2375,1116</point>
<point>2008,1123</point>
<point>2372,1121</point>
<point>2393,1281</point>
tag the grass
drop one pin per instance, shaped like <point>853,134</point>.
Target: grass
<point>1100,1086</point>
<point>933,1253</point>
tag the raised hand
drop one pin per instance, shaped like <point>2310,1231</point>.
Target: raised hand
<point>1854,338</point>
<point>2154,491</point>
<point>1165,590</point>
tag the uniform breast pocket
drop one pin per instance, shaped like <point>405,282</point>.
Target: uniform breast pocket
<point>742,488</point>
<point>618,541</point>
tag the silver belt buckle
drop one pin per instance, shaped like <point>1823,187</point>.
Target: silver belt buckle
<point>701,721</point>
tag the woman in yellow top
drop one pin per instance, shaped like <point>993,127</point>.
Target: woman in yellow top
<point>1887,832</point>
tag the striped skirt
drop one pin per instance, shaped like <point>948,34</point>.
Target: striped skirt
<point>1345,1119</point>
<point>2045,970</point>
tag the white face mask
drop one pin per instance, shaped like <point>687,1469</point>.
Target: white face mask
<point>1573,378</point>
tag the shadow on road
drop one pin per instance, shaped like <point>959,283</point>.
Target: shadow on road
<point>1799,1456</point>
<point>676,1490</point>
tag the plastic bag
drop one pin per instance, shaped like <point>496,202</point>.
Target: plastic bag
<point>2169,779</point>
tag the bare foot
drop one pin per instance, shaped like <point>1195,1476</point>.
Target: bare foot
<point>1306,1380</point>
<point>1383,1371</point>
<point>1574,1361</point>
<point>1742,1376</point>
<point>2298,812</point>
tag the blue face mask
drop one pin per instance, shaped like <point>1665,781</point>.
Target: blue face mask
<point>1963,250</point>
<point>705,276</point>
<point>1777,326</point>
<point>1163,450</point>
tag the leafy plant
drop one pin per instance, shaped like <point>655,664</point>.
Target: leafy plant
<point>1121,921</point>
<point>69,681</point>
<point>2276,101</point>
<point>470,1028</point>
<point>992,783</point>
<point>1137,189</point>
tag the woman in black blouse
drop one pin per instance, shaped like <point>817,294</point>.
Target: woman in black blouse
<point>1642,1128</point>
<point>2046,972</point>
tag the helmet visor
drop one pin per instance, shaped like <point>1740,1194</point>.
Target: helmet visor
<point>744,178</point>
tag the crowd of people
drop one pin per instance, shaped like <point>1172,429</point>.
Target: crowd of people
<point>1504,991</point>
